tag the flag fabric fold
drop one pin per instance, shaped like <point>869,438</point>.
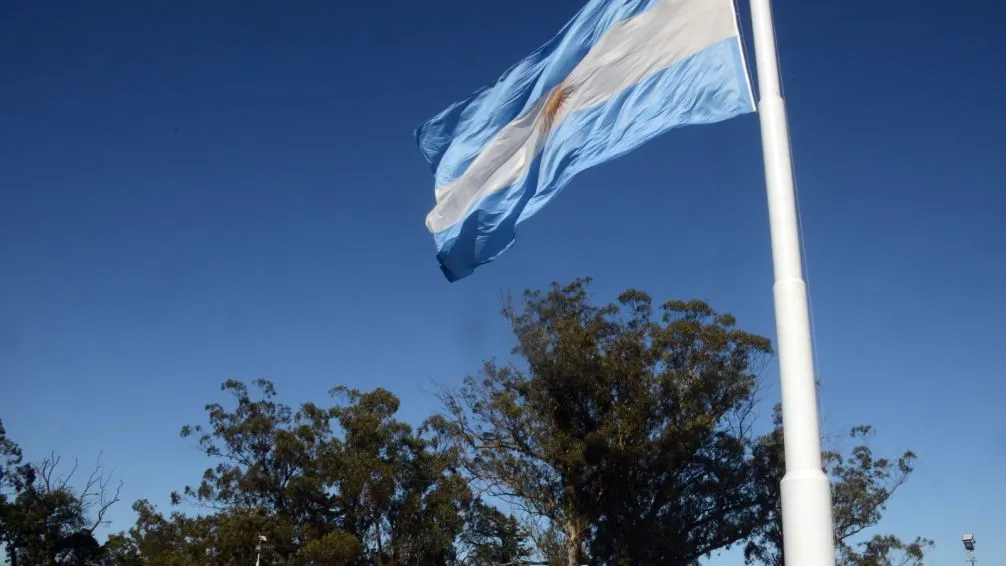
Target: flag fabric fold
<point>620,73</point>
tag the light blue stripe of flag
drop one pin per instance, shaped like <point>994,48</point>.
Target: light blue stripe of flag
<point>451,140</point>
<point>706,86</point>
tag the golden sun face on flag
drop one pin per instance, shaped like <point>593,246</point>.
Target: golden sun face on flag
<point>556,100</point>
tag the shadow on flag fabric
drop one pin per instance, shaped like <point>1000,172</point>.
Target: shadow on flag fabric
<point>620,73</point>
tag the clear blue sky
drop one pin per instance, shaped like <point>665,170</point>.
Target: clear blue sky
<point>191,191</point>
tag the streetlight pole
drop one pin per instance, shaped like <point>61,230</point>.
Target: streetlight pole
<point>969,547</point>
<point>258,549</point>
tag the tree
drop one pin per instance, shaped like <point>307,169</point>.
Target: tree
<point>861,486</point>
<point>493,537</point>
<point>14,475</point>
<point>400,494</point>
<point>175,540</point>
<point>270,480</point>
<point>626,431</point>
<point>12,468</point>
<point>375,492</point>
<point>43,518</point>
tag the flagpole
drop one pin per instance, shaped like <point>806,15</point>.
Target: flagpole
<point>806,493</point>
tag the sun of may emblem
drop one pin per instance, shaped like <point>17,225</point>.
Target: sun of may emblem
<point>556,100</point>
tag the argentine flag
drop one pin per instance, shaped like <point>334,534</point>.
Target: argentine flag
<point>620,73</point>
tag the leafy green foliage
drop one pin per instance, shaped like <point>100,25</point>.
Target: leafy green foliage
<point>400,495</point>
<point>347,484</point>
<point>623,429</point>
<point>885,550</point>
<point>493,537</point>
<point>620,433</point>
<point>269,478</point>
<point>43,519</point>
<point>861,484</point>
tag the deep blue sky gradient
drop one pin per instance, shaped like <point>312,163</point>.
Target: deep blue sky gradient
<point>191,191</point>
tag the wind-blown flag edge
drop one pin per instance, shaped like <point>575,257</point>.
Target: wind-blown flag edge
<point>680,73</point>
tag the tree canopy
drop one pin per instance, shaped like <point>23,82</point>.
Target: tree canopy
<point>625,428</point>
<point>43,519</point>
<point>619,434</point>
<point>344,484</point>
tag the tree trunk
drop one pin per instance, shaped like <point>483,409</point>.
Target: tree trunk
<point>573,541</point>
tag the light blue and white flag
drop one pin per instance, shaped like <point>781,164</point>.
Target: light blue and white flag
<point>620,73</point>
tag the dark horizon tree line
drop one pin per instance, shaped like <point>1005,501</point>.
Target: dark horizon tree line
<point>618,434</point>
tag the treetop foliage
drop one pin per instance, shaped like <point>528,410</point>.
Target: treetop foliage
<point>615,434</point>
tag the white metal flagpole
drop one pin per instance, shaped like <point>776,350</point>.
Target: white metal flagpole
<point>806,493</point>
